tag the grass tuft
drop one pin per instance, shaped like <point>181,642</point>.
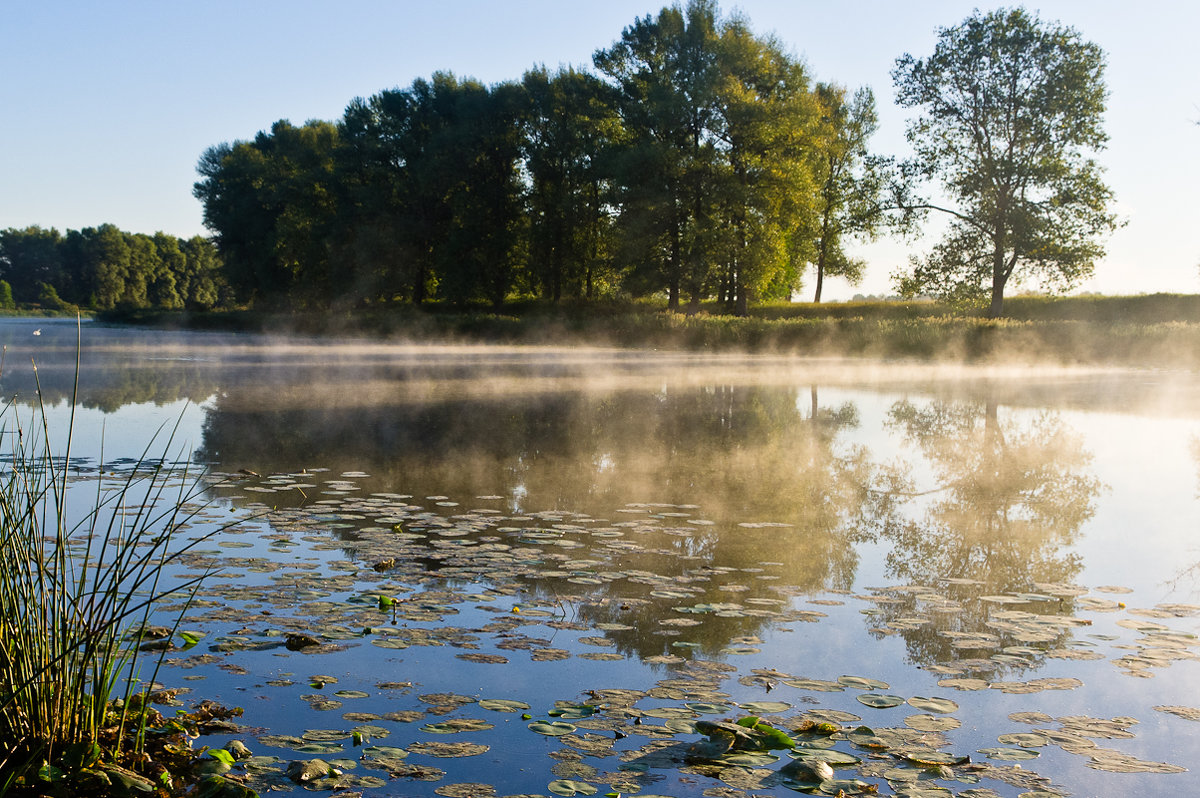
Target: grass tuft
<point>76,600</point>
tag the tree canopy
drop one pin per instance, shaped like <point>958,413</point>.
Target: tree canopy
<point>693,164</point>
<point>1011,113</point>
<point>104,268</point>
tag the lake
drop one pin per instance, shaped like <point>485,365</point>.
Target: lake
<point>534,570</point>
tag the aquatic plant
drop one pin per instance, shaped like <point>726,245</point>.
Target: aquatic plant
<point>76,603</point>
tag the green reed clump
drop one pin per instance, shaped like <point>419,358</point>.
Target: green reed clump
<point>76,598</point>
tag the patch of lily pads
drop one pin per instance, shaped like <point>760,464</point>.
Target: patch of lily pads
<point>389,572</point>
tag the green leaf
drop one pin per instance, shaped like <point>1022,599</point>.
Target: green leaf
<point>571,787</point>
<point>880,700</point>
<point>551,728</point>
<point>221,755</point>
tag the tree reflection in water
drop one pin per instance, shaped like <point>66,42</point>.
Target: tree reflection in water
<point>995,503</point>
<point>704,467</point>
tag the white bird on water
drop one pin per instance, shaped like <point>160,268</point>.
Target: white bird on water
<point>38,331</point>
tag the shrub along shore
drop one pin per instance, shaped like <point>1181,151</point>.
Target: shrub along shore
<point>1155,331</point>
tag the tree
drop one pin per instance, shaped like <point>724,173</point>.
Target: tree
<point>272,205</point>
<point>766,127</point>
<point>6,296</point>
<point>853,183</point>
<point>571,126</point>
<point>1012,109</point>
<point>665,70</point>
<point>30,257</point>
<point>715,182</point>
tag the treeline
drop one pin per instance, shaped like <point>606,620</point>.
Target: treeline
<point>102,268</point>
<point>698,162</point>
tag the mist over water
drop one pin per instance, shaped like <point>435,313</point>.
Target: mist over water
<point>816,518</point>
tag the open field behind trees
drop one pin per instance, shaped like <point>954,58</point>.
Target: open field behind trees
<point>1155,331</point>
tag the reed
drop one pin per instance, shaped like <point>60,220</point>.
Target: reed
<point>76,599</point>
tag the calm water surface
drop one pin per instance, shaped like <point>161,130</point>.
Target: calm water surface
<point>630,542</point>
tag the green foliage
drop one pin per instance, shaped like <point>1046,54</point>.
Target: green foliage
<point>694,166</point>
<point>48,298</point>
<point>1012,109</point>
<point>105,268</point>
<point>6,296</point>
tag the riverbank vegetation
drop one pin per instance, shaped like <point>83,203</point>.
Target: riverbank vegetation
<point>100,268</point>
<point>78,650</point>
<point>1161,330</point>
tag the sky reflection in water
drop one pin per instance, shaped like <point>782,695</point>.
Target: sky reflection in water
<point>664,517</point>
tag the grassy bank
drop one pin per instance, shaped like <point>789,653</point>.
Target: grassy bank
<point>1161,330</point>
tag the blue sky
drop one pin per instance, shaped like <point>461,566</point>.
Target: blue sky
<point>106,107</point>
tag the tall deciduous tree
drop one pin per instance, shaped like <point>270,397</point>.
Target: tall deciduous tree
<point>1012,111</point>
<point>857,191</point>
<point>665,69</point>
<point>571,129</point>
<point>766,126</point>
<point>272,204</point>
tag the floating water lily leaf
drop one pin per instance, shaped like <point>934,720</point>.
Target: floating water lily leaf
<point>456,725</point>
<point>552,728</point>
<point>750,759</point>
<point>669,712</point>
<point>352,694</point>
<point>572,711</point>
<point>943,706</point>
<point>707,708</point>
<point>964,684</point>
<point>448,749</point>
<point>765,707</point>
<point>571,787</point>
<point>862,683</point>
<point>819,685</point>
<point>835,759</point>
<point>1023,739</point>
<point>1188,713</point>
<point>931,723</point>
<point>466,790</point>
<point>325,735</point>
<point>503,705</point>
<point>931,758</point>
<point>1119,762</point>
<point>1009,754</point>
<point>880,700</point>
<point>319,748</point>
<point>847,786</point>
<point>388,751</point>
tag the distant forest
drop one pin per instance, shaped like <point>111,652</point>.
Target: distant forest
<point>102,268</point>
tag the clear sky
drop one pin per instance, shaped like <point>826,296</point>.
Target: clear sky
<point>105,107</point>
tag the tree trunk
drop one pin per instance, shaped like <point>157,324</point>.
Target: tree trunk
<point>999,277</point>
<point>674,268</point>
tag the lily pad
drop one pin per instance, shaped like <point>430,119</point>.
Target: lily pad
<point>862,683</point>
<point>1009,754</point>
<point>880,700</point>
<point>818,685</point>
<point>456,725</point>
<point>448,750</point>
<point>555,728</point>
<point>503,705</point>
<point>765,707</point>
<point>943,706</point>
<point>571,787</point>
